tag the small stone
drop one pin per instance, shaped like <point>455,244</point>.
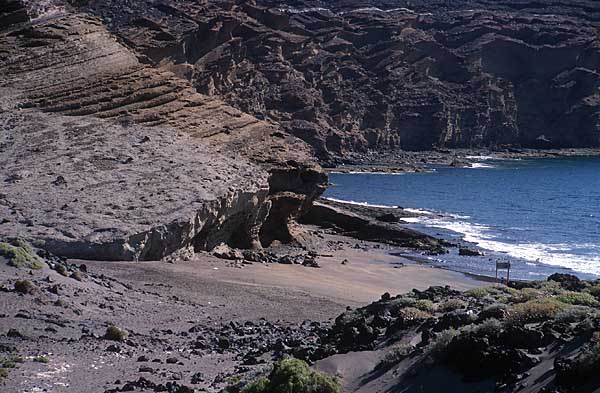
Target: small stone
<point>197,378</point>
<point>113,348</point>
<point>224,343</point>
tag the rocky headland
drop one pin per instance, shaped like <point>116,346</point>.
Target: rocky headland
<point>350,76</point>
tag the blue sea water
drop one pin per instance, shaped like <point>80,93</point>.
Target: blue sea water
<point>542,214</point>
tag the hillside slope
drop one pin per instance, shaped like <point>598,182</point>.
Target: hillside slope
<point>348,76</point>
<point>104,157</point>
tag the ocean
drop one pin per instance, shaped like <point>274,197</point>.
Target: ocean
<point>541,214</point>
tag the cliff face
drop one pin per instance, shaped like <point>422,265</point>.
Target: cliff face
<point>348,76</point>
<point>103,157</point>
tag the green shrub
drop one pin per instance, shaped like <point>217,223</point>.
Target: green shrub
<point>489,327</point>
<point>61,269</point>
<point>578,298</point>
<point>7,363</point>
<point>412,314</point>
<point>424,305</point>
<point>478,293</point>
<point>573,314</point>
<point>3,373</point>
<point>452,305</point>
<point>438,347</point>
<point>41,359</point>
<point>394,355</point>
<point>500,288</point>
<point>594,291</point>
<point>550,287</point>
<point>527,294</point>
<point>25,287</point>
<point>291,375</point>
<point>20,255</point>
<point>323,383</point>
<point>258,386</point>
<point>537,310</point>
<point>115,334</point>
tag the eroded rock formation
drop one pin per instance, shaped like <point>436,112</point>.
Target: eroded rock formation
<point>104,157</point>
<point>348,76</point>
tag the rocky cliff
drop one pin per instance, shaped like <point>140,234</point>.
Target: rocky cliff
<point>104,157</point>
<point>352,75</point>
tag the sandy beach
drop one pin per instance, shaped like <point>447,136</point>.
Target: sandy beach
<point>160,304</point>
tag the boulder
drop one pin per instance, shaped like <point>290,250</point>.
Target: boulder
<point>223,251</point>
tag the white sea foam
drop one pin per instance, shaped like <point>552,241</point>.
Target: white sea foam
<point>304,10</point>
<point>360,203</point>
<point>481,158</point>
<point>558,254</point>
<point>367,173</point>
<point>479,165</point>
<point>363,9</point>
<point>419,211</point>
<point>411,220</point>
<point>376,9</point>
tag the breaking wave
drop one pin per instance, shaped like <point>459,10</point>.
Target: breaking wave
<point>360,203</point>
<point>555,254</point>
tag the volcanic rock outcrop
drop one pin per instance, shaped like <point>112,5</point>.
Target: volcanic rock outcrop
<point>358,75</point>
<point>104,157</point>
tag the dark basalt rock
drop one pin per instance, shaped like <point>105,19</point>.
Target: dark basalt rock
<point>454,320</point>
<point>477,359</point>
<point>469,252</point>
<point>524,338</point>
<point>567,281</point>
<point>345,78</point>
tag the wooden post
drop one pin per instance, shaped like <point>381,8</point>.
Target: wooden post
<point>503,265</point>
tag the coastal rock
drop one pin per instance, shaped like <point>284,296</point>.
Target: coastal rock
<point>223,251</point>
<point>366,228</point>
<point>350,75</point>
<point>470,252</point>
<point>567,281</point>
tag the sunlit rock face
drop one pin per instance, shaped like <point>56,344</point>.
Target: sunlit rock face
<point>104,157</point>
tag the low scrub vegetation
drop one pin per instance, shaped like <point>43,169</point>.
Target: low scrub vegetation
<point>395,355</point>
<point>452,305</point>
<point>537,310</point>
<point>291,375</point>
<point>578,298</point>
<point>437,348</point>
<point>115,334</point>
<point>20,255</point>
<point>574,314</point>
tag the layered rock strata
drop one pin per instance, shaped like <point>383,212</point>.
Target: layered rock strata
<point>104,157</point>
<point>359,75</point>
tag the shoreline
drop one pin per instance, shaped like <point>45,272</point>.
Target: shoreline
<point>479,260</point>
<point>401,162</point>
